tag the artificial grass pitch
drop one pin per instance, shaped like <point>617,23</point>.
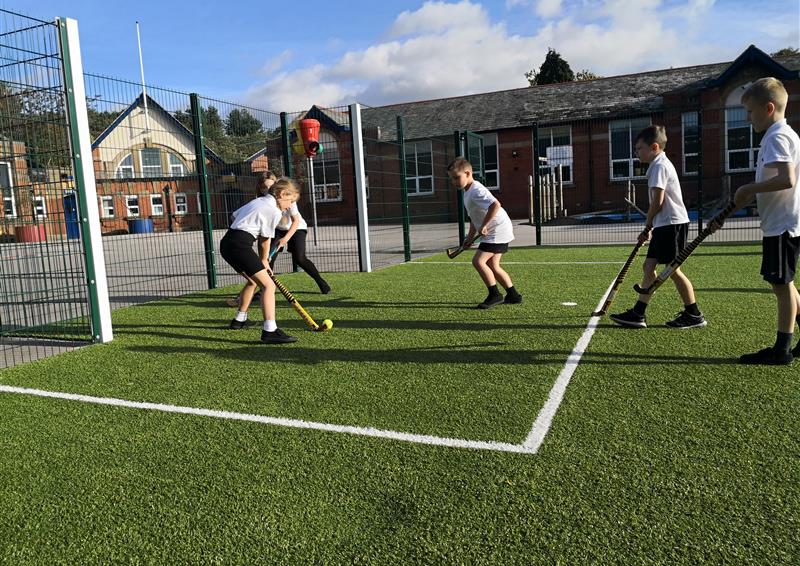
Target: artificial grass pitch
<point>663,450</point>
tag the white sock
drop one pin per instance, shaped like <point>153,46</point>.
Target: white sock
<point>241,316</point>
<point>270,325</point>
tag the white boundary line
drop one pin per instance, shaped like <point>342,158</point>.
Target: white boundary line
<point>529,446</point>
<point>545,417</point>
<point>421,262</point>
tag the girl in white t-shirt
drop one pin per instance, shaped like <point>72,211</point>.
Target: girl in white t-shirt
<point>256,221</point>
<point>489,219</point>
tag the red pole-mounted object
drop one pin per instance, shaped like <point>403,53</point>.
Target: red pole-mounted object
<point>309,132</point>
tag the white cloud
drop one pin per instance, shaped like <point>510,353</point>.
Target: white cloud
<point>276,63</point>
<point>450,49</point>
<point>548,8</point>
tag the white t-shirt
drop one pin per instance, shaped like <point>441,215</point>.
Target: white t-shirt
<point>779,210</point>
<point>662,174</point>
<point>477,200</point>
<point>286,219</point>
<point>259,217</point>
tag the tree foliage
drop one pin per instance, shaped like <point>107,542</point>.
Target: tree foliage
<point>786,52</point>
<point>586,75</point>
<point>554,70</point>
<point>242,123</point>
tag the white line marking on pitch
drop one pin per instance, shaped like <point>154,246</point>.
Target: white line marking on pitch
<point>545,417</point>
<point>529,446</point>
<point>292,423</point>
<point>420,262</point>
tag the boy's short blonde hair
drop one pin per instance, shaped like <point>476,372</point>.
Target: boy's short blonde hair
<point>284,186</point>
<point>766,90</point>
<point>460,164</point>
<point>653,134</point>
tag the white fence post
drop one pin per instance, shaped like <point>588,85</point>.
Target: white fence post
<point>361,187</point>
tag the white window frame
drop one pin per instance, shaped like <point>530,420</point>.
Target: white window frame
<point>181,208</point>
<point>632,157</point>
<point>688,117</point>
<point>156,209</point>
<point>491,137</point>
<point>9,195</point>
<point>752,151</point>
<point>106,205</point>
<point>121,170</point>
<point>132,201</point>
<point>177,168</point>
<point>323,190</point>
<point>566,161</point>
<point>413,177</point>
<point>39,206</point>
<point>148,170</point>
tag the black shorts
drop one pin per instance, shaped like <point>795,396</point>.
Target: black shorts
<point>667,242</point>
<point>493,248</point>
<point>236,248</point>
<point>779,258</point>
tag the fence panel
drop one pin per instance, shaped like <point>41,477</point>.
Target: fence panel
<point>45,304</point>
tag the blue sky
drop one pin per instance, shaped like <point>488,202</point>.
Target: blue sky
<point>289,55</point>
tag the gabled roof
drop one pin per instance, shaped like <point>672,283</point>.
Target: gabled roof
<point>624,95</point>
<point>754,56</point>
<point>151,104</point>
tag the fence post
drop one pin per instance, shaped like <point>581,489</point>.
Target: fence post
<point>83,165</point>
<point>205,198</point>
<point>462,234</point>
<point>359,172</point>
<point>537,213</point>
<point>401,143</point>
<point>699,170</point>
<point>287,149</point>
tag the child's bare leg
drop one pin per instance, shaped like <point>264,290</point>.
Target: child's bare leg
<point>684,287</point>
<point>787,306</point>
<point>267,294</point>
<point>648,278</point>
<point>480,263</point>
<point>500,274</point>
<point>246,295</point>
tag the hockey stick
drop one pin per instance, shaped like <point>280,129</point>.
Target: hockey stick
<point>453,252</point>
<point>685,253</point>
<point>620,276</point>
<point>633,204</point>
<point>327,324</point>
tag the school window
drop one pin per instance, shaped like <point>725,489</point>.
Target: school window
<point>327,177</point>
<point>181,204</point>
<point>176,166</point>
<point>555,146</point>
<point>691,143</point>
<point>621,135</point>
<point>157,204</point>
<point>132,205</point>
<point>107,206</point>
<point>491,162</point>
<point>9,204</point>
<point>39,207</point>
<point>419,168</point>
<point>151,162</point>
<point>741,142</point>
<point>125,168</point>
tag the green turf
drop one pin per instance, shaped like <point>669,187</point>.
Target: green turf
<point>663,451</point>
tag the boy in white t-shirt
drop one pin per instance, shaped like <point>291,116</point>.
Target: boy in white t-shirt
<point>668,223</point>
<point>486,217</point>
<point>778,197</point>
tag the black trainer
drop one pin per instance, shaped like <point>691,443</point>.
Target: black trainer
<point>629,318</point>
<point>687,320</point>
<point>238,325</point>
<point>491,301</point>
<point>277,336</point>
<point>796,351</point>
<point>324,288</point>
<point>767,357</point>
<point>513,300</point>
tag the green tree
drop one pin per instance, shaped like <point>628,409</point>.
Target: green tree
<point>554,70</point>
<point>241,123</point>
<point>786,52</point>
<point>586,75</point>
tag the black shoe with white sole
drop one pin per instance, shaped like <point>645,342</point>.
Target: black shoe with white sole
<point>629,318</point>
<point>686,320</point>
